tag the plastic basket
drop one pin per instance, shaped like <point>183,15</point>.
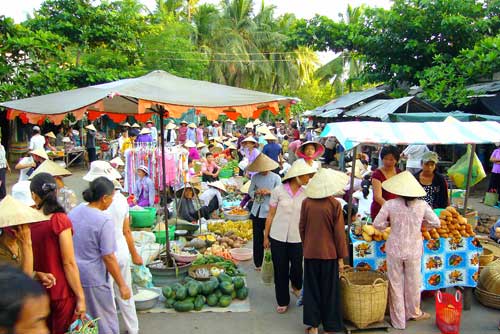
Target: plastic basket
<point>448,312</point>
<point>143,218</point>
<point>490,199</point>
<point>161,236</point>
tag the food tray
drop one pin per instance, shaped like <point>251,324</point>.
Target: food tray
<point>192,269</point>
<point>236,217</point>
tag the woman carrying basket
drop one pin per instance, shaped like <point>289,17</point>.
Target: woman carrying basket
<point>405,215</point>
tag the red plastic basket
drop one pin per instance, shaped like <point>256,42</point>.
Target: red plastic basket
<point>448,312</point>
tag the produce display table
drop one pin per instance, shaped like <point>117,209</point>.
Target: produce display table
<point>446,262</point>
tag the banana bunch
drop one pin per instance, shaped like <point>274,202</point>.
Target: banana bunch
<point>242,229</point>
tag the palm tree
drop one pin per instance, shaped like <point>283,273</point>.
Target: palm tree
<point>347,66</point>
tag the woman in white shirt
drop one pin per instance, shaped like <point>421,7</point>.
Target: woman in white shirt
<point>27,165</point>
<point>282,232</point>
<point>364,197</point>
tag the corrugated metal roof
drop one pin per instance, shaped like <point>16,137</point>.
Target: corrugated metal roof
<point>379,108</point>
<point>331,113</point>
<point>348,100</point>
<point>486,87</point>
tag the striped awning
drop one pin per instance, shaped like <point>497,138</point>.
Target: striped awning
<point>351,134</point>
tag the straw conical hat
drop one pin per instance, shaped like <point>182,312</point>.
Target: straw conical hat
<point>135,125</point>
<point>246,187</point>
<point>126,124</point>
<point>50,135</point>
<point>201,144</point>
<point>117,161</point>
<point>320,149</point>
<point>404,184</point>
<point>263,130</point>
<point>218,184</point>
<point>249,140</point>
<point>170,126</point>
<point>299,167</point>
<point>180,190</point>
<point>91,127</point>
<point>15,213</point>
<point>49,166</point>
<point>270,136</point>
<point>192,126</point>
<point>41,153</point>
<point>326,182</point>
<point>249,125</point>
<point>262,164</point>
<point>257,122</point>
<point>145,131</point>
<point>189,144</point>
<point>100,168</point>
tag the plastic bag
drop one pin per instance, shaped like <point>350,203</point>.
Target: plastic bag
<point>87,326</point>
<point>141,276</point>
<point>448,312</point>
<point>267,268</point>
<point>149,252</point>
<point>458,172</point>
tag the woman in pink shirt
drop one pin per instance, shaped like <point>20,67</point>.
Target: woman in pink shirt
<point>405,214</point>
<point>494,185</point>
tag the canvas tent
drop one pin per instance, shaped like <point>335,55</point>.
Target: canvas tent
<point>140,97</point>
<point>440,116</point>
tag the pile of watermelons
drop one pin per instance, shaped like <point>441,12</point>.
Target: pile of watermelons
<point>194,295</point>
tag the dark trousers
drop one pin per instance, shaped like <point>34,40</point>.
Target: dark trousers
<point>287,263</point>
<point>322,295</point>
<point>494,182</point>
<point>3,186</point>
<point>210,178</point>
<point>258,225</point>
<point>213,204</point>
<point>92,154</point>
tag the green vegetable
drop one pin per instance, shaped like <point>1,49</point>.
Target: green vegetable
<point>226,288</point>
<point>238,283</point>
<point>223,277</point>
<point>225,301</point>
<point>208,287</point>
<point>193,289</point>
<point>167,292</point>
<point>169,303</point>
<point>176,286</point>
<point>199,302</point>
<point>183,306</point>
<point>242,293</point>
<point>218,293</point>
<point>233,294</point>
<point>181,293</point>
<point>212,299</point>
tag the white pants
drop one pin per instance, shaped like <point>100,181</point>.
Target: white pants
<point>127,307</point>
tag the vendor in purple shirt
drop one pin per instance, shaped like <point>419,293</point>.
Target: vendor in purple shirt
<point>144,136</point>
<point>144,188</point>
<point>95,246</point>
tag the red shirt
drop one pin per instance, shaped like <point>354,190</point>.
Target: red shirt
<point>375,207</point>
<point>296,134</point>
<point>47,253</point>
<point>182,134</point>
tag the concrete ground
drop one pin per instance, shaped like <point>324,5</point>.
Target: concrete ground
<point>263,318</point>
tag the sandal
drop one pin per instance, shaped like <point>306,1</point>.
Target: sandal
<point>308,330</point>
<point>296,293</point>
<point>423,316</point>
<point>258,268</point>
<point>281,309</point>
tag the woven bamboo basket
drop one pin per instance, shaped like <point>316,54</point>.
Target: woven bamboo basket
<point>364,296</point>
<point>486,257</point>
<point>487,298</point>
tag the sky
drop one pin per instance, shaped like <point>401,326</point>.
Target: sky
<point>19,9</point>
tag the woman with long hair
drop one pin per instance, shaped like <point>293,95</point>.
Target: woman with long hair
<point>53,253</point>
<point>95,247</point>
<point>390,157</point>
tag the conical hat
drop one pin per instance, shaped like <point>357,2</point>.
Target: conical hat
<point>217,184</point>
<point>50,135</point>
<point>145,131</point>
<point>100,168</point>
<point>170,126</point>
<point>262,164</point>
<point>117,161</point>
<point>326,182</point>
<point>257,122</point>
<point>180,190</point>
<point>49,166</point>
<point>192,126</point>
<point>189,144</point>
<point>126,124</point>
<point>41,153</point>
<point>246,187</point>
<point>91,127</point>
<point>404,184</point>
<point>270,136</point>
<point>263,130</point>
<point>135,125</point>
<point>320,149</point>
<point>299,167</point>
<point>15,213</point>
<point>201,144</point>
<point>249,140</point>
<point>249,125</point>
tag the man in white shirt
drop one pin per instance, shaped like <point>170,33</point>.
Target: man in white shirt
<point>27,165</point>
<point>413,154</point>
<point>37,141</point>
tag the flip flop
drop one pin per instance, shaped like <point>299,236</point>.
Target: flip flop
<point>281,309</point>
<point>296,293</point>
<point>308,330</point>
<point>258,268</point>
<point>423,316</point>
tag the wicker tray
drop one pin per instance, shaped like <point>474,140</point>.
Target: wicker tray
<point>487,298</point>
<point>236,217</point>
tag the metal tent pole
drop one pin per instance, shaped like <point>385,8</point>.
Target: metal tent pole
<point>349,204</point>
<point>469,175</point>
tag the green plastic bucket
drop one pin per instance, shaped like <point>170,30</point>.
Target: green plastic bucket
<point>161,236</point>
<point>143,218</point>
<point>226,173</point>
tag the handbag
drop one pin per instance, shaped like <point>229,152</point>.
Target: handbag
<point>85,326</point>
